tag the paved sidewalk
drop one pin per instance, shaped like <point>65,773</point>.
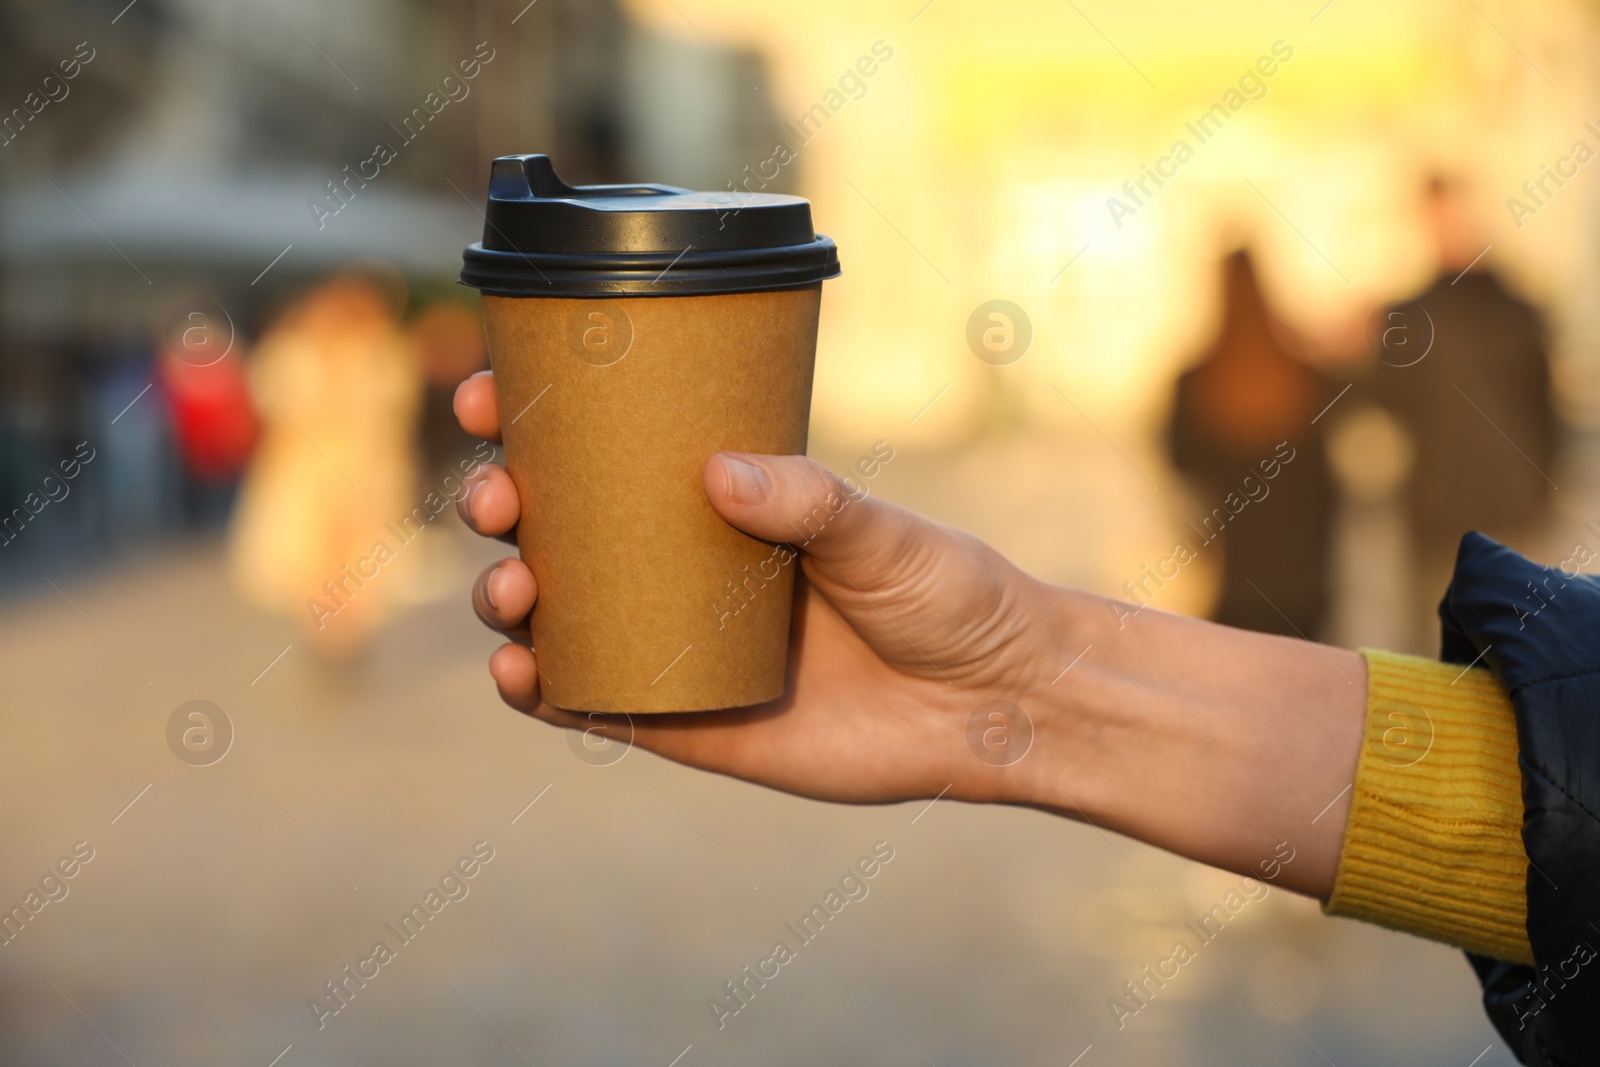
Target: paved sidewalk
<point>220,899</point>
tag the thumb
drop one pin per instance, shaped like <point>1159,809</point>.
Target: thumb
<point>928,599</point>
<point>851,537</point>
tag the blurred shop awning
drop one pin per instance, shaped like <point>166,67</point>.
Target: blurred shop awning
<point>177,218</point>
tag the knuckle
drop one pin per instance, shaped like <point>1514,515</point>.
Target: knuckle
<point>820,483</point>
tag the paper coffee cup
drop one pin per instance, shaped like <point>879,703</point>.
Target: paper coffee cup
<point>634,331</point>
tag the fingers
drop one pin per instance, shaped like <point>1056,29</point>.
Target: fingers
<point>475,406</point>
<point>515,671</point>
<point>796,500</point>
<point>516,675</point>
<point>490,505</point>
<point>505,593</point>
<point>503,597</point>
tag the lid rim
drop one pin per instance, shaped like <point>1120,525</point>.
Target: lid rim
<point>589,274</point>
<point>734,287</point>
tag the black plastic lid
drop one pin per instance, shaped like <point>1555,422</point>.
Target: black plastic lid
<point>543,237</point>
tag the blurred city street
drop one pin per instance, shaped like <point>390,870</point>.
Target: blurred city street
<point>221,898</point>
<point>1108,271</point>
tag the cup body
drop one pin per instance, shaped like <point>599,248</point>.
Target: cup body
<point>648,601</point>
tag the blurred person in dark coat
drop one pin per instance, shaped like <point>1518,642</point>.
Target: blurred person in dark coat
<point>1249,401</point>
<point>1464,368</point>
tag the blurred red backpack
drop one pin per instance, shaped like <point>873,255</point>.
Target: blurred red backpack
<point>213,418</point>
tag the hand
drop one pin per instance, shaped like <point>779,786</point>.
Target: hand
<point>1215,743</point>
<point>902,628</point>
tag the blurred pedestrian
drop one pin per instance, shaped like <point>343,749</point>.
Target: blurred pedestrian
<point>1463,367</point>
<point>451,346</point>
<point>135,498</point>
<point>1249,402</point>
<point>336,470</point>
<point>214,422</point>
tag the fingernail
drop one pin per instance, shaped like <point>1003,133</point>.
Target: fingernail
<point>464,504</point>
<point>747,483</point>
<point>488,589</point>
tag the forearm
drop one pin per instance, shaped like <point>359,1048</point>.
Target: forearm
<point>1214,743</point>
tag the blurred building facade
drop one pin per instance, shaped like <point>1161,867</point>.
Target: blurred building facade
<point>219,160</point>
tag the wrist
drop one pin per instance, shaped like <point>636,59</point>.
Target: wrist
<point>1214,743</point>
<point>1072,715</point>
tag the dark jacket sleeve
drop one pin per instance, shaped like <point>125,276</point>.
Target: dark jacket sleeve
<point>1538,629</point>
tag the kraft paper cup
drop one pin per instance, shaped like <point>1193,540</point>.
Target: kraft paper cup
<point>634,330</point>
<point>648,601</point>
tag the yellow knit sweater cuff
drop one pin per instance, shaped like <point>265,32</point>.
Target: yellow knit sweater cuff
<point>1433,845</point>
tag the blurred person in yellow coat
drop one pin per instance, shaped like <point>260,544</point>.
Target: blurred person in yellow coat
<point>315,535</point>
